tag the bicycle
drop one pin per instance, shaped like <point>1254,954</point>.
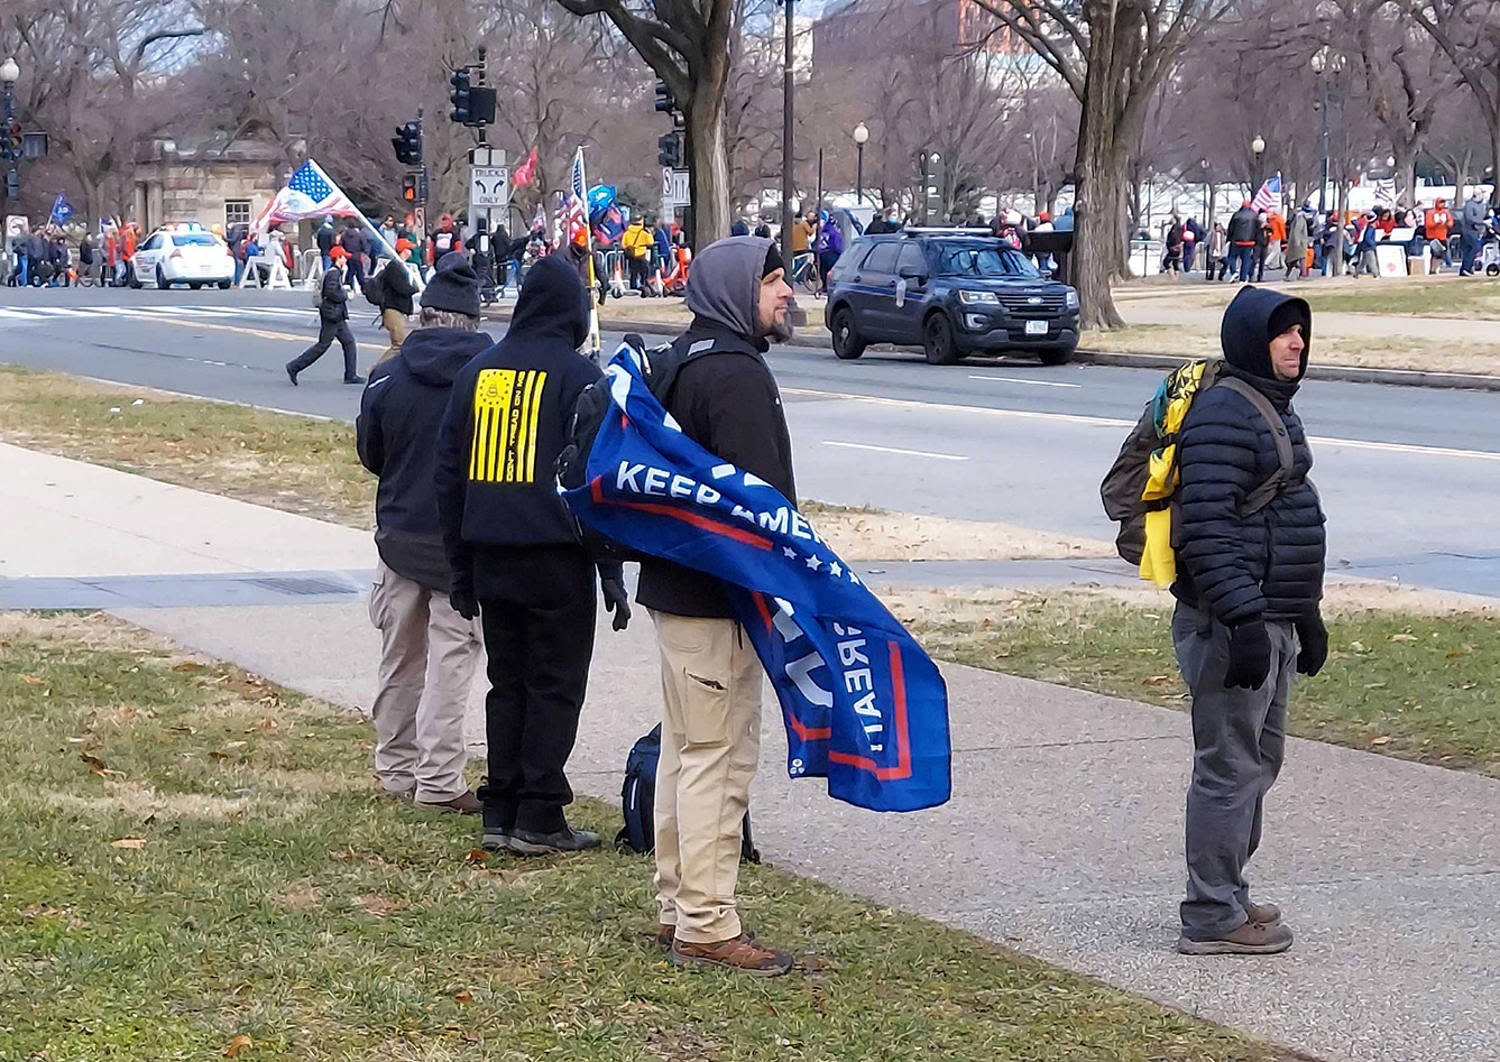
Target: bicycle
<point>805,273</point>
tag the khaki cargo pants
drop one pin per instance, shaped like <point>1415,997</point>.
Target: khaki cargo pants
<point>428,653</point>
<point>710,744</point>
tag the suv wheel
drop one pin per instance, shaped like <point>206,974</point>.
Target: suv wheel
<point>133,276</point>
<point>847,344</point>
<point>161,280</point>
<point>1056,356</point>
<point>937,341</point>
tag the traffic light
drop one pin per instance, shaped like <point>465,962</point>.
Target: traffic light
<point>408,144</point>
<point>666,103</point>
<point>12,185</point>
<point>409,188</point>
<point>11,141</point>
<point>669,150</point>
<point>481,106</point>
<point>460,96</point>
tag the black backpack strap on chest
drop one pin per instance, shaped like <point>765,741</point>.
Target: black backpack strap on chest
<point>1264,493</point>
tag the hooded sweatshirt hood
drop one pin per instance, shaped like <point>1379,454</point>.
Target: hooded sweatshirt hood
<point>552,303</point>
<point>724,283</point>
<point>1247,332</point>
<point>434,355</point>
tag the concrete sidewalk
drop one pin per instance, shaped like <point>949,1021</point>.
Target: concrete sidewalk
<point>1063,838</point>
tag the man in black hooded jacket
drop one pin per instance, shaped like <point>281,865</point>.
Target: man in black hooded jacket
<point>516,558</point>
<point>1249,588</point>
<point>333,323</point>
<point>428,651</point>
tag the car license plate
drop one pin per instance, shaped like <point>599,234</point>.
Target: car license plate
<point>1036,328</point>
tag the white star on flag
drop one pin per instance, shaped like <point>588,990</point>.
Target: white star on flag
<point>814,562</point>
<point>789,552</point>
<point>835,569</point>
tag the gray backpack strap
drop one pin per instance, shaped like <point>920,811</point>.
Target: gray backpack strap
<point>1263,493</point>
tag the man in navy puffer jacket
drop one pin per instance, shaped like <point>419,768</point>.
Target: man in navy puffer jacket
<point>1247,619</point>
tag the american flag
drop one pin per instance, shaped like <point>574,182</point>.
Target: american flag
<point>1269,195</point>
<point>310,193</point>
<point>577,208</point>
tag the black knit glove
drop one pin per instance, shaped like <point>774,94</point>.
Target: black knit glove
<point>1312,636</point>
<point>1249,656</point>
<point>616,600</point>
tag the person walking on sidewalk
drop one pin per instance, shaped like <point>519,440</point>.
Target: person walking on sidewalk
<point>1473,223</point>
<point>728,402</point>
<point>427,650</point>
<point>333,323</point>
<point>1244,230</point>
<point>516,558</point>
<point>391,290</point>
<point>1248,592</point>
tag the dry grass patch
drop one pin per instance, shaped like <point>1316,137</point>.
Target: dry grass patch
<point>863,534</point>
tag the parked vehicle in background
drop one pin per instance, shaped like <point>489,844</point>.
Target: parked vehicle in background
<point>953,292</point>
<point>182,253</point>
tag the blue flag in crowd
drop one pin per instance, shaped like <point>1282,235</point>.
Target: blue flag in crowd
<point>62,210</point>
<point>864,706</point>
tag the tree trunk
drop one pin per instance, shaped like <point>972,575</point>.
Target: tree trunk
<point>1342,201</point>
<point>708,157</point>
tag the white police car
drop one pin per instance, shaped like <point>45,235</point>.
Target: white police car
<point>182,253</point>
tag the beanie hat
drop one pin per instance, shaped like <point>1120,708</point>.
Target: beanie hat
<point>454,286</point>
<point>773,262</point>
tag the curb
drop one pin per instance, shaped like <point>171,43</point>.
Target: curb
<point>1342,373</point>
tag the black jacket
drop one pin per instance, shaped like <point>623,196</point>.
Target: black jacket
<point>397,430</point>
<point>353,241</point>
<point>1244,226</point>
<point>507,421</point>
<point>729,404</point>
<point>326,238</point>
<point>394,289</point>
<point>333,300</point>
<point>1268,565</point>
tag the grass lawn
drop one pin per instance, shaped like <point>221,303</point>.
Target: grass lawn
<point>1418,686</point>
<point>194,863</point>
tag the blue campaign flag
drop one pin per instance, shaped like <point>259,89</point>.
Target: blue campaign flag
<point>864,706</point>
<point>62,210</point>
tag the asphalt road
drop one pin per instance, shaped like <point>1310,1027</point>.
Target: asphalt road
<point>1410,476</point>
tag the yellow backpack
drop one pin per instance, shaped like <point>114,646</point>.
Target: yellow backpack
<point>1139,489</point>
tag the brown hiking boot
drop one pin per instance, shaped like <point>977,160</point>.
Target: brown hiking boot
<point>466,803</point>
<point>1252,938</point>
<point>666,933</point>
<point>1267,914</point>
<point>741,953</point>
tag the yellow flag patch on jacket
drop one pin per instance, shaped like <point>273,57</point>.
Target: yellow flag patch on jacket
<point>506,405</point>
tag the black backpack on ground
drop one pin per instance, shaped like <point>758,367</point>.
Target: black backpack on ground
<point>638,802</point>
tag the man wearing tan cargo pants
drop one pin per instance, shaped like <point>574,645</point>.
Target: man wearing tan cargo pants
<point>428,650</point>
<point>724,398</point>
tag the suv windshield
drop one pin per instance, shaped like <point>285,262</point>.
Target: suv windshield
<point>194,239</point>
<point>970,258</point>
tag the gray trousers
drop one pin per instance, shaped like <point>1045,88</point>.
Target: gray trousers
<point>1239,737</point>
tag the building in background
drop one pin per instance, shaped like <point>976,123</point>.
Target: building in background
<point>867,31</point>
<point>211,180</point>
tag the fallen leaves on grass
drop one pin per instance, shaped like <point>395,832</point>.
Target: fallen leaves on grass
<point>1383,739</point>
<point>380,906</point>
<point>129,842</point>
<point>238,1044</point>
<point>32,680</point>
<point>463,995</point>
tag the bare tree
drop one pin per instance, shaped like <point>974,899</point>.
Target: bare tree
<point>687,43</point>
<point>1113,54</point>
<point>1468,32</point>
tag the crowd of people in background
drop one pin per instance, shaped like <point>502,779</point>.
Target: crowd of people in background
<point>1305,242</point>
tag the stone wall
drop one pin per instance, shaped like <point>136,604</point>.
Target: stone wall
<point>197,190</point>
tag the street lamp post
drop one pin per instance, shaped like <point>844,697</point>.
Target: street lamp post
<point>10,73</point>
<point>861,135</point>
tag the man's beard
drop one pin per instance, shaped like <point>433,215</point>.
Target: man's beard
<point>779,331</point>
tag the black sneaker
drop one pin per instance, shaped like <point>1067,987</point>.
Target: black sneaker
<point>350,379</point>
<point>495,835</point>
<point>566,839</point>
<point>291,374</point>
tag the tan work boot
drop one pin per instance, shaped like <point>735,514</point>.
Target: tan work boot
<point>1252,938</point>
<point>1267,914</point>
<point>666,934</point>
<point>466,803</point>
<point>741,953</point>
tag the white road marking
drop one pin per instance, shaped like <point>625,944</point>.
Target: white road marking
<point>895,450</point>
<point>1115,422</point>
<point>59,311</point>
<point>19,315</point>
<point>1019,380</point>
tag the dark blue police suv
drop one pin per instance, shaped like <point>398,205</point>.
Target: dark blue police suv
<point>953,292</point>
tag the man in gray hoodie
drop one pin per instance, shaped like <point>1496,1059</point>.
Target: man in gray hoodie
<point>726,400</point>
<point>1471,230</point>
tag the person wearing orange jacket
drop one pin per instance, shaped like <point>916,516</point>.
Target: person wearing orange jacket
<point>1437,225</point>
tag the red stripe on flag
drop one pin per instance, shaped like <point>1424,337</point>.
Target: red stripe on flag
<point>902,769</point>
<point>705,523</point>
